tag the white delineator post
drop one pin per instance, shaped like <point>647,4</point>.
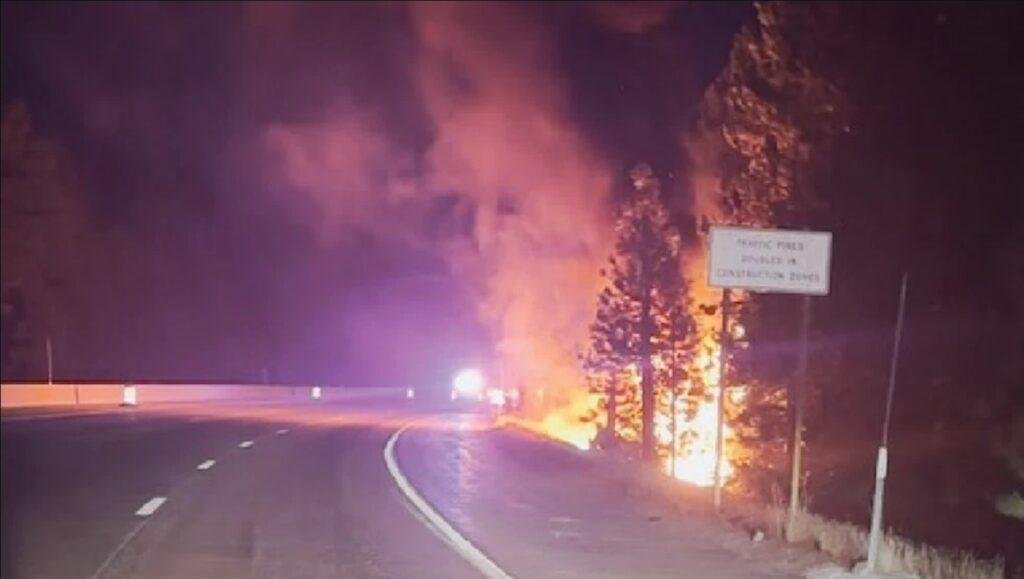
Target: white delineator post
<point>876,507</point>
<point>129,395</point>
<point>883,454</point>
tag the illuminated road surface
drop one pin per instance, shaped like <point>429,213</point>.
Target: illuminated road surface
<point>303,491</point>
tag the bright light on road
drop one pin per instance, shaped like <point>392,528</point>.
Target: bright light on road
<point>496,397</point>
<point>469,382</point>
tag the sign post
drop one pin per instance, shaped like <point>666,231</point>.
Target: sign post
<point>767,261</point>
<point>798,391</point>
<point>723,357</point>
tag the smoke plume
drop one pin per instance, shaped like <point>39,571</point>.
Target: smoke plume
<point>536,194</point>
<point>525,198</point>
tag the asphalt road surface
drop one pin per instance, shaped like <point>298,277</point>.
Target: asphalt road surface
<point>306,490</point>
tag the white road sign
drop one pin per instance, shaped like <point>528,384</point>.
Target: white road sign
<point>770,260</point>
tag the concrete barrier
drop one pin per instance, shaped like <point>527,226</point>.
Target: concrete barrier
<point>339,393</point>
<point>22,395</point>
<point>35,395</point>
<point>149,393</point>
<point>99,393</point>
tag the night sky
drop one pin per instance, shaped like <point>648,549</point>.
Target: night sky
<point>188,126</point>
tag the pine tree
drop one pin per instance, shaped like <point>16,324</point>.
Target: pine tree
<point>778,111</point>
<point>607,362</point>
<point>644,283</point>
<point>772,117</point>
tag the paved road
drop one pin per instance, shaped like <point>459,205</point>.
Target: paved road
<point>304,491</point>
<point>315,501</point>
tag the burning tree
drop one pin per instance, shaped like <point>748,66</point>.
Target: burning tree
<point>640,336</point>
<point>777,111</point>
<point>608,364</point>
<point>770,118</point>
<point>682,381</point>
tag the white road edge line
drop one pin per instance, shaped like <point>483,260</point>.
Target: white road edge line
<point>75,414</point>
<point>460,544</point>
<point>245,444</point>
<point>206,464</point>
<point>120,547</point>
<point>282,431</point>
<point>150,506</point>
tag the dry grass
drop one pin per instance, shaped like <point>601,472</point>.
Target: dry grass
<point>925,561</point>
<point>847,544</point>
<point>844,542</point>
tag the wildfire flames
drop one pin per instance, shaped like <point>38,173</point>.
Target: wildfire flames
<point>696,431</point>
<point>695,444</point>
<point>559,425</point>
<point>695,462</point>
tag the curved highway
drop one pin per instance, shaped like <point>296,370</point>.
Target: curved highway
<point>307,490</point>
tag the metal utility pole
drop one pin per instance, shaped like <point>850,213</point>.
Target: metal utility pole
<point>719,428</point>
<point>49,361</point>
<point>882,465</point>
<point>799,389</point>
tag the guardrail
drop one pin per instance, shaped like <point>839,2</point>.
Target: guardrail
<point>26,395</point>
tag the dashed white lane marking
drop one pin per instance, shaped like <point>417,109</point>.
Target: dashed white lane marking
<point>435,521</point>
<point>282,431</point>
<point>563,520</point>
<point>245,444</point>
<point>566,534</point>
<point>150,506</point>
<point>206,464</point>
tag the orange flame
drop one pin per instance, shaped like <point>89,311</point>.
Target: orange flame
<point>695,462</point>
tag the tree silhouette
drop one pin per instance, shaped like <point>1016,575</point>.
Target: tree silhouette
<point>772,118</point>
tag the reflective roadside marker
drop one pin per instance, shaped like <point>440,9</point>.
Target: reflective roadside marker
<point>205,465</point>
<point>245,444</point>
<point>410,393</point>
<point>129,396</point>
<point>316,393</point>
